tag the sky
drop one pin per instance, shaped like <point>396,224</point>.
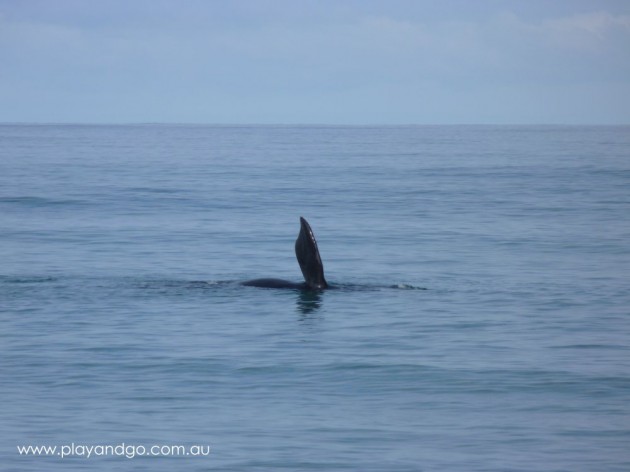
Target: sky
<point>315,61</point>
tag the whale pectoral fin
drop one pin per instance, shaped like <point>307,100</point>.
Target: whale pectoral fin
<point>308,257</point>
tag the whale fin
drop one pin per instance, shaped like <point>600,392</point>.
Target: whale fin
<point>308,257</point>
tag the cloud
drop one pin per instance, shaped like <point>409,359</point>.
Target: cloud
<point>596,26</point>
<point>597,31</point>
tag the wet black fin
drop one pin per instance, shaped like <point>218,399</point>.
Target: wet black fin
<point>308,257</point>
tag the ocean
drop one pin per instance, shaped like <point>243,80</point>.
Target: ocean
<point>479,319</point>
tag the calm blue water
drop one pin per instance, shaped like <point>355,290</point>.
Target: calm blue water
<point>122,320</point>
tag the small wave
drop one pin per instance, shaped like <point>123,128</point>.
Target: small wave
<point>26,280</point>
<point>210,283</point>
<point>33,202</point>
<point>407,287</point>
<point>364,287</point>
<point>158,190</point>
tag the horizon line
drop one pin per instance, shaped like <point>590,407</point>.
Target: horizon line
<point>279,124</point>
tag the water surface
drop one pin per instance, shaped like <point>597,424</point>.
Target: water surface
<point>122,320</point>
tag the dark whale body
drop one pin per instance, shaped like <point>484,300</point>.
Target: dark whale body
<point>276,283</point>
<point>308,257</point>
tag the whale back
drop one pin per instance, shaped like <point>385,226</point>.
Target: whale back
<point>307,254</point>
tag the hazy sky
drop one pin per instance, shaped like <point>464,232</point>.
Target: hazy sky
<point>324,61</point>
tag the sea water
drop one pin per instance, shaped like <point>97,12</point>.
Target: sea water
<point>480,321</point>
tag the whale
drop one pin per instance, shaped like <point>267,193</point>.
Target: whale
<point>307,255</point>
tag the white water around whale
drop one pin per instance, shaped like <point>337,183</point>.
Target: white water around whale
<point>122,319</point>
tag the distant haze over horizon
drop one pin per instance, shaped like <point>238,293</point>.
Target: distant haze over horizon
<point>347,62</point>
